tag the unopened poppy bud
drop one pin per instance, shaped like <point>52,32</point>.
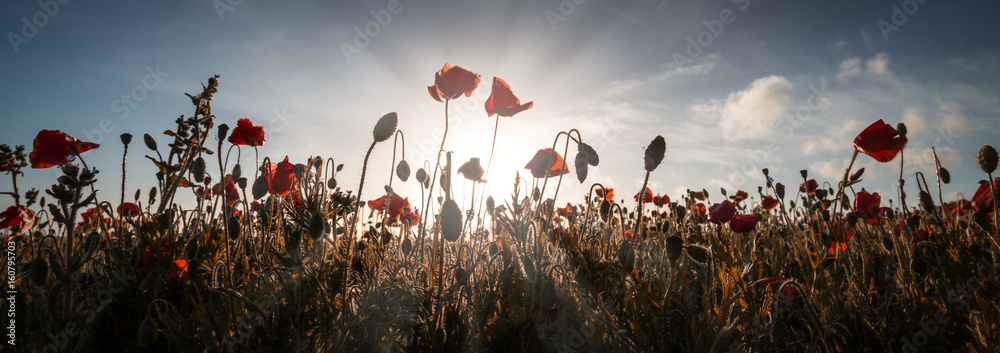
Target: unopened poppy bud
<point>223,131</point>
<point>654,153</point>
<point>944,175</point>
<point>385,127</point>
<point>804,173</point>
<point>901,128</point>
<point>926,202</point>
<point>987,158</point>
<point>674,246</point>
<point>698,253</point>
<point>779,189</point>
<point>150,141</point>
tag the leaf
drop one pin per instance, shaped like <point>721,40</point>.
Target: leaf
<point>857,175</point>
<point>403,170</point>
<point>654,153</point>
<point>183,183</point>
<point>451,220</point>
<point>385,127</point>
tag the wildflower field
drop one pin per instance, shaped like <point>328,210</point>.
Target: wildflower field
<point>278,257</point>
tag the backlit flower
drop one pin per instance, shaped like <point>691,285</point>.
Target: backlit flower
<point>661,200</point>
<point>722,212</point>
<point>867,205</point>
<point>880,141</point>
<point>472,170</point>
<point>743,223</point>
<point>809,186</point>
<point>452,81</point>
<point>982,201</point>
<point>769,202</point>
<point>647,196</point>
<point>502,101</point>
<point>282,178</point>
<point>232,194</point>
<point>547,163</point>
<point>52,148</point>
<point>129,209</point>
<point>740,196</point>
<point>392,204</point>
<point>17,216</point>
<point>607,193</point>
<point>246,134</point>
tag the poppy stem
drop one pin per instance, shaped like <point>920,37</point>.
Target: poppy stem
<point>642,200</point>
<point>434,173</point>
<point>843,183</point>
<point>364,169</point>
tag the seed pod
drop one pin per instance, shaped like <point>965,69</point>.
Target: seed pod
<point>901,128</point>
<point>385,127</point>
<point>804,173</point>
<point>421,175</point>
<point>987,158</point>
<point>223,130</point>
<point>126,138</point>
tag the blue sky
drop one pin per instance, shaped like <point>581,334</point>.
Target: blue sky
<point>779,84</point>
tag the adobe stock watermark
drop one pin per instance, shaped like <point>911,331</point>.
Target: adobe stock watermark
<point>714,28</point>
<point>126,103</point>
<point>30,27</point>
<point>363,36</point>
<point>757,158</point>
<point>565,9</point>
<point>222,7</point>
<point>899,16</point>
<point>280,119</point>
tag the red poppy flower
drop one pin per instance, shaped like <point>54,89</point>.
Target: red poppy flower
<point>700,195</point>
<point>647,196</point>
<point>608,193</point>
<point>880,141</point>
<point>232,193</point>
<point>51,148</point>
<point>982,201</point>
<point>839,237</point>
<point>409,217</point>
<point>740,196</point>
<point>452,81</point>
<point>502,101</point>
<point>391,203</point>
<point>867,205</point>
<point>565,211</point>
<point>156,248</point>
<point>722,212</point>
<point>472,170</point>
<point>661,200</point>
<point>17,216</point>
<point>743,223</point>
<point>282,178</point>
<point>809,186</point>
<point>129,209</point>
<point>91,217</point>
<point>296,198</point>
<point>699,208</point>
<point>547,163</point>
<point>246,134</point>
<point>769,202</point>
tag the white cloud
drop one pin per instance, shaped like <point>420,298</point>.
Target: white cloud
<point>849,68</point>
<point>702,67</point>
<point>751,113</point>
<point>831,170</point>
<point>878,66</point>
<point>839,138</point>
<point>953,119</point>
<point>916,123</point>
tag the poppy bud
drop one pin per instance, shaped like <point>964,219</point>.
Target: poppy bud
<point>191,249</point>
<point>316,226</point>
<point>126,138</point>
<point>234,228</point>
<point>804,173</point>
<point>152,195</point>
<point>901,128</point>
<point>421,175</point>
<point>581,163</point>
<point>680,211</point>
<point>674,246</point>
<point>857,175</point>
<point>147,333</point>
<point>150,141</point>
<point>626,255</point>
<point>926,202</point>
<point>944,175</point>
<point>605,210</point>
<point>697,253</point>
<point>765,171</point>
<point>451,220</point>
<point>198,169</point>
<point>403,170</point>
<point>490,204</point>
<point>779,189</point>
<point>654,153</point>
<point>385,127</point>
<point>260,186</point>
<point>589,152</point>
<point>987,158</point>
<point>237,171</point>
<point>331,183</point>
